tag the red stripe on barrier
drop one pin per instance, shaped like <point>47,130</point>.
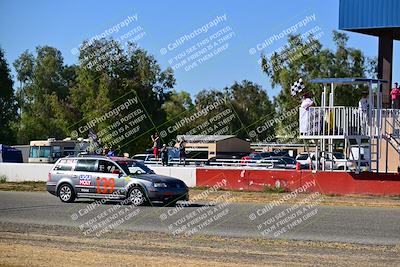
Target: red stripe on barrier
<point>325,182</point>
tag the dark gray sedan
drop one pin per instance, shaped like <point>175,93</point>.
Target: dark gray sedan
<point>112,178</point>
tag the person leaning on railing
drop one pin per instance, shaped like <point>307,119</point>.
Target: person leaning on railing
<point>182,151</point>
<point>164,155</point>
<point>363,106</point>
<point>395,93</point>
<point>306,103</point>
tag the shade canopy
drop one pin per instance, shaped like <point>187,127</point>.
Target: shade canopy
<point>347,80</point>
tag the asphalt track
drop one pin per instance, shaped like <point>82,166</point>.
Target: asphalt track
<point>318,223</point>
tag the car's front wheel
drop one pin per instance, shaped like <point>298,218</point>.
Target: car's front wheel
<point>136,196</point>
<point>66,193</point>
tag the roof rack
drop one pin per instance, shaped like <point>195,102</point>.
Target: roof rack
<point>91,156</point>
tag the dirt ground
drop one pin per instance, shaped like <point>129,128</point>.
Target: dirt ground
<point>33,245</point>
<point>247,196</point>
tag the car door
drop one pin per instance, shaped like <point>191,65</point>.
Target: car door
<point>84,176</point>
<point>63,169</point>
<point>109,178</point>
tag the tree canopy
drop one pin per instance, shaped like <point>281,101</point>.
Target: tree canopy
<point>122,95</point>
<point>8,105</point>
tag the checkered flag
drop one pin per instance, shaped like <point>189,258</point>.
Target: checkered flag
<point>297,87</point>
<point>93,136</point>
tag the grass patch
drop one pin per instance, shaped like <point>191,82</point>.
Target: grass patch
<point>274,189</point>
<point>3,179</point>
<point>23,186</point>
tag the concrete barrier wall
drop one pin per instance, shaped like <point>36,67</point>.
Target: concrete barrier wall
<point>323,182</point>
<point>19,172</point>
<point>245,178</point>
<point>186,174</point>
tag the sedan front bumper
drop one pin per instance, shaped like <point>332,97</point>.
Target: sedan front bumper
<point>168,194</point>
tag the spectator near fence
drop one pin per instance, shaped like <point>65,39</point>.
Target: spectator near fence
<point>164,155</point>
<point>156,145</point>
<point>182,151</point>
<point>395,93</point>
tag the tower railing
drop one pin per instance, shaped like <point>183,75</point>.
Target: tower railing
<point>337,121</point>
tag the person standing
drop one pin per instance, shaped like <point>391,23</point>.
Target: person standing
<point>306,103</point>
<point>164,155</point>
<point>106,150</point>
<point>363,107</point>
<point>156,145</point>
<point>182,151</point>
<point>363,104</point>
<point>395,93</point>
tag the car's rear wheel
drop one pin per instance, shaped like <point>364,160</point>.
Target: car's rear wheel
<point>136,196</point>
<point>66,193</point>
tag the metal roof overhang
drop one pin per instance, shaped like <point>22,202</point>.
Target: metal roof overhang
<point>394,32</point>
<point>347,80</point>
<point>372,17</point>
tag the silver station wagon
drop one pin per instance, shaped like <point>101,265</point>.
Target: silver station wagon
<point>112,178</point>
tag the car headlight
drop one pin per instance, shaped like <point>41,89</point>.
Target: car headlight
<point>160,184</point>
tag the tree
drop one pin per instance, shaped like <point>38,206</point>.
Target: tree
<point>245,104</point>
<point>177,103</point>
<point>24,68</point>
<point>252,108</point>
<point>42,79</point>
<point>57,99</point>
<point>8,106</point>
<point>107,76</point>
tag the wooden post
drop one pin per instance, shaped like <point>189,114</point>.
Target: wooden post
<point>385,60</point>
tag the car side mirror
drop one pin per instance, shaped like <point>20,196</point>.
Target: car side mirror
<point>116,171</point>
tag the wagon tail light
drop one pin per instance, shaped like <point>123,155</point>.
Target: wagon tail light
<point>49,177</point>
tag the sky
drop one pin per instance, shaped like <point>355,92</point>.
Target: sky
<point>209,44</point>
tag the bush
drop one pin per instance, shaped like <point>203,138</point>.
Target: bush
<point>3,179</point>
<point>274,189</point>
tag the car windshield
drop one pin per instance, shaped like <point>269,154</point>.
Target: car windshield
<point>142,157</point>
<point>134,168</point>
<point>338,155</point>
<point>302,157</point>
<point>255,156</point>
<point>289,160</point>
<point>266,154</point>
<point>281,153</point>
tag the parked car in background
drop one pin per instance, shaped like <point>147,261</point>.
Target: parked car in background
<point>263,158</point>
<point>173,156</point>
<point>334,161</point>
<point>280,162</point>
<point>251,158</point>
<point>275,153</point>
<point>303,158</point>
<point>143,157</point>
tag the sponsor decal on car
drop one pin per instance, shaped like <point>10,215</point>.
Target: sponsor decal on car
<point>85,180</point>
<point>105,185</point>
